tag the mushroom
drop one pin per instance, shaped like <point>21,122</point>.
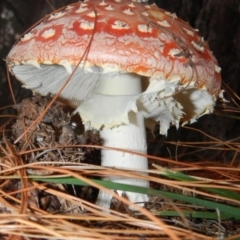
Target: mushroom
<point>143,65</point>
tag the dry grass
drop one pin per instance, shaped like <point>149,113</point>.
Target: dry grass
<point>37,210</point>
<point>31,209</point>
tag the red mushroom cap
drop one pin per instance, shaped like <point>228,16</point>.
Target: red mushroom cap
<point>128,36</point>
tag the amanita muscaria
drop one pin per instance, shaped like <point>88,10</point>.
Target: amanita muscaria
<point>143,63</point>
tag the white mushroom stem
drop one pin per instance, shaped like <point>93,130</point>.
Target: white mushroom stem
<point>128,137</point>
<point>128,134</point>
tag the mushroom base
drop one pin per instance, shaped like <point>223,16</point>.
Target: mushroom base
<point>130,137</point>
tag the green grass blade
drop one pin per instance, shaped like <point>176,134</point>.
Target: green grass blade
<point>194,214</point>
<point>229,211</point>
<point>217,191</point>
